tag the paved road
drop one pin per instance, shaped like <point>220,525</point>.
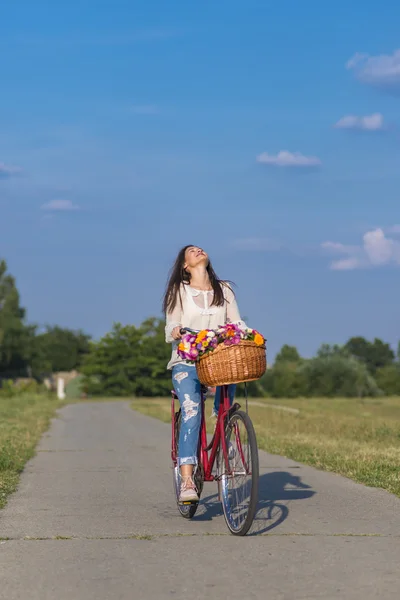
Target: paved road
<point>94,519</point>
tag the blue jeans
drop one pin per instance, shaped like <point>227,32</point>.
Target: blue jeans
<point>217,397</point>
<point>188,389</point>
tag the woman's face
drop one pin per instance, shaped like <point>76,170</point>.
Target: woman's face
<point>195,256</point>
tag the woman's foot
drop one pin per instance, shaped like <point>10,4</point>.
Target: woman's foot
<point>188,492</point>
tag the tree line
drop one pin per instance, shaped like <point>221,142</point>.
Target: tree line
<point>356,369</point>
<point>131,360</point>
<point>26,350</point>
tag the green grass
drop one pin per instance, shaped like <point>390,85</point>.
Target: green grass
<point>23,419</point>
<point>356,438</point>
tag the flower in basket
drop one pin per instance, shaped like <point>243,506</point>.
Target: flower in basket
<point>258,339</point>
<point>194,346</point>
<point>253,335</point>
<point>232,334</point>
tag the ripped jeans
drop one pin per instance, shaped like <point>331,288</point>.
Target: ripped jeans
<point>217,397</point>
<point>188,389</point>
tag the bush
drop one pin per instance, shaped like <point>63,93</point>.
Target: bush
<point>285,380</point>
<point>129,361</point>
<point>388,379</point>
<point>338,375</point>
<point>10,388</point>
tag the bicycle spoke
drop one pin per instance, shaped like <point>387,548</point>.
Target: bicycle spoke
<point>239,483</point>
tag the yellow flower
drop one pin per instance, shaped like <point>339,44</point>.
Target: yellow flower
<point>181,346</point>
<point>258,339</point>
<point>200,336</point>
<point>204,343</point>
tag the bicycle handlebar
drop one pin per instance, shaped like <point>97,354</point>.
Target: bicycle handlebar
<point>187,330</point>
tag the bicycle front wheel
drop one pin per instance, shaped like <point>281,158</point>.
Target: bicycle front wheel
<point>238,480</point>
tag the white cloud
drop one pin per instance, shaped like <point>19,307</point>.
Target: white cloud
<point>288,159</point>
<point>8,170</point>
<point>376,250</point>
<point>372,122</point>
<point>339,248</point>
<point>356,60</point>
<point>379,249</point>
<point>346,264</point>
<point>144,109</point>
<point>376,70</point>
<point>60,205</point>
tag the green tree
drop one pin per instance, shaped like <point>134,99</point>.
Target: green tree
<point>288,354</point>
<point>285,380</point>
<point>255,389</point>
<point>388,379</point>
<point>15,336</point>
<point>374,354</point>
<point>129,361</point>
<point>329,350</point>
<point>59,349</point>
<point>154,378</point>
<point>335,374</point>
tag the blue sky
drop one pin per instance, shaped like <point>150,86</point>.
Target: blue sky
<point>266,132</point>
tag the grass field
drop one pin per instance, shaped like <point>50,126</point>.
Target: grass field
<point>356,438</point>
<point>23,419</point>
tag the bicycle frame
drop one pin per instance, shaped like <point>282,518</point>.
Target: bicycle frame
<point>205,459</point>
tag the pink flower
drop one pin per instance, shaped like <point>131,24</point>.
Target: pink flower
<point>229,335</point>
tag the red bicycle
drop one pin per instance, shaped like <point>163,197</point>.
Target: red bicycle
<point>234,452</point>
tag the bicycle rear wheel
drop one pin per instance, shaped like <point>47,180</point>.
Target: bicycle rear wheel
<point>238,485</point>
<point>186,510</point>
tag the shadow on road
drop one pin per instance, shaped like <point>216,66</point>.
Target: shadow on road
<point>276,491</point>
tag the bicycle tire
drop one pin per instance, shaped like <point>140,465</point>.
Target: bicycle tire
<point>239,526</point>
<point>187,511</point>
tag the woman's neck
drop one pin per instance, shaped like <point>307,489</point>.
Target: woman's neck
<point>199,278</point>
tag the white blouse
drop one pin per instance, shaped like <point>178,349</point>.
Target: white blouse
<point>197,313</point>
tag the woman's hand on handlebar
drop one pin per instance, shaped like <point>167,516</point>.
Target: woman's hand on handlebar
<point>176,333</point>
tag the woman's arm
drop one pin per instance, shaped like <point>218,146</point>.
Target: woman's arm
<point>173,319</point>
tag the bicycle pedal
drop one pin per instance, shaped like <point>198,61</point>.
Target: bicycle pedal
<point>189,502</point>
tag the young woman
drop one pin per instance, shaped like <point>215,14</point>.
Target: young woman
<point>197,299</point>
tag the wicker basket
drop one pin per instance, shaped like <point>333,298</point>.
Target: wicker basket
<point>232,364</point>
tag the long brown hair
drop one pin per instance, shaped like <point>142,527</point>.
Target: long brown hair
<point>179,275</point>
